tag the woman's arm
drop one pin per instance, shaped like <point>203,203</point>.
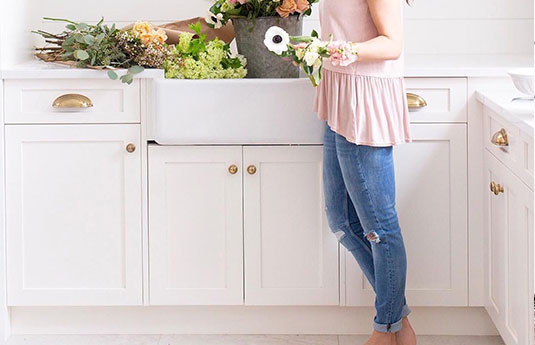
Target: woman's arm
<point>388,45</point>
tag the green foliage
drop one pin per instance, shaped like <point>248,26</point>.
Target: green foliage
<point>195,58</point>
<point>92,45</point>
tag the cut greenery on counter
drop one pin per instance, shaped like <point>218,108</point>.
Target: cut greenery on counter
<point>100,46</point>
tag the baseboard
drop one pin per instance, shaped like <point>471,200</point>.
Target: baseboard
<point>238,320</point>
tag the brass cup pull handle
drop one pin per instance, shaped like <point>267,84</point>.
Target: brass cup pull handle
<point>415,101</point>
<point>500,138</point>
<point>130,148</point>
<point>233,169</point>
<point>72,100</point>
<point>251,169</point>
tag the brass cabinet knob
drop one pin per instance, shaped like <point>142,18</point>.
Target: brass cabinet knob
<point>499,189</point>
<point>233,169</point>
<point>496,188</point>
<point>130,148</point>
<point>72,100</point>
<point>415,101</point>
<point>251,169</point>
<point>500,138</point>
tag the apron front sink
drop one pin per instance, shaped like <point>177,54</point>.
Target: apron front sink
<point>237,111</point>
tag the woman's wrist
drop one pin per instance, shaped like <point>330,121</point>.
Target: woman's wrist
<point>355,49</point>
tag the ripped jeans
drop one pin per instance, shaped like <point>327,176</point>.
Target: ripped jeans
<point>360,203</point>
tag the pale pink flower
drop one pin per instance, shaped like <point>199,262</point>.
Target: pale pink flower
<point>340,53</point>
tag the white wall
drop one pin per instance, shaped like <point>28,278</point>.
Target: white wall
<point>431,26</point>
<point>476,27</point>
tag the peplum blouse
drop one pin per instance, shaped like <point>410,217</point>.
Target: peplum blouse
<point>365,102</point>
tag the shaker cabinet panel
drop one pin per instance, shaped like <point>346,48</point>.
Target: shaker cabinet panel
<point>431,185</point>
<point>195,225</point>
<point>444,99</point>
<point>291,256</point>
<point>508,253</point>
<point>55,101</point>
<point>73,197</point>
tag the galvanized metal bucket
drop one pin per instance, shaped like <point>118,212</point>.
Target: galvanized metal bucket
<point>261,63</point>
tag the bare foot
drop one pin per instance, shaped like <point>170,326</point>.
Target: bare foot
<point>379,338</point>
<point>406,336</point>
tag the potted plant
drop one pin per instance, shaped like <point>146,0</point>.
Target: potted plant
<point>251,20</point>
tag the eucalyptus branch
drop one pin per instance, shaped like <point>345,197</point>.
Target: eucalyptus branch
<point>60,20</point>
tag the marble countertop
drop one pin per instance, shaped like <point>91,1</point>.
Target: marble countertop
<point>519,112</point>
<point>415,66</point>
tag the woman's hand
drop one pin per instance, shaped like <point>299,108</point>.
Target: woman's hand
<point>388,45</point>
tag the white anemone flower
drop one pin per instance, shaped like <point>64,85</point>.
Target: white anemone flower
<point>215,19</point>
<point>277,40</point>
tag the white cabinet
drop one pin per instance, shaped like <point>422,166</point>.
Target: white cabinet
<point>431,184</point>
<point>73,215</point>
<point>195,225</point>
<point>201,243</point>
<point>509,253</point>
<point>291,256</point>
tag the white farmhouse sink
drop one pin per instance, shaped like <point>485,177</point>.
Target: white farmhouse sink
<point>239,111</point>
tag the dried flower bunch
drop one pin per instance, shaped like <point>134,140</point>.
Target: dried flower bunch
<point>223,10</point>
<point>308,52</point>
<point>142,46</point>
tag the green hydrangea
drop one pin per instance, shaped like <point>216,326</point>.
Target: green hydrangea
<point>194,58</point>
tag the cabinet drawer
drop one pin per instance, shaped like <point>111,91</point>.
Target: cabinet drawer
<point>507,143</point>
<point>83,101</point>
<point>446,99</point>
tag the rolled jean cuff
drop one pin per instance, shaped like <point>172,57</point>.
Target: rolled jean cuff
<point>392,327</point>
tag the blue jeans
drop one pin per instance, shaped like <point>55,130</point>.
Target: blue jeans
<point>360,202</point>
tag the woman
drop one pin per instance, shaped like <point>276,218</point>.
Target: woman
<point>366,111</point>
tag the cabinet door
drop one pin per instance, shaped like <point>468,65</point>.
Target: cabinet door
<point>195,225</point>
<point>73,201</point>
<point>431,184</point>
<point>291,256</point>
<point>509,253</point>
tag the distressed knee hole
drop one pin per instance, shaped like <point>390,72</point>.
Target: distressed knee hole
<point>373,237</point>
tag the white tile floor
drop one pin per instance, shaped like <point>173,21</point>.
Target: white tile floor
<point>233,340</point>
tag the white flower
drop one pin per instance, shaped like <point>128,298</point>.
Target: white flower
<point>276,40</point>
<point>214,19</point>
<point>316,44</point>
<point>311,58</point>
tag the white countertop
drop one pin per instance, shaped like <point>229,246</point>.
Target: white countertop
<point>464,65</point>
<point>415,66</point>
<point>519,112</point>
<point>40,69</point>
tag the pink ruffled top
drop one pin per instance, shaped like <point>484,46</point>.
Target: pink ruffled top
<point>365,102</point>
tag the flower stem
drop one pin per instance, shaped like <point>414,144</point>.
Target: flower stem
<point>311,77</point>
<point>304,39</point>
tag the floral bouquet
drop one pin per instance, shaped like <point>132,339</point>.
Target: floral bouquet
<point>138,47</point>
<point>223,10</point>
<point>308,52</point>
